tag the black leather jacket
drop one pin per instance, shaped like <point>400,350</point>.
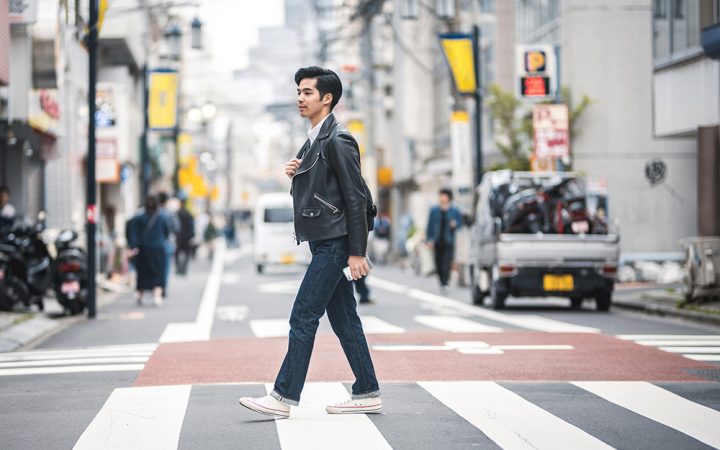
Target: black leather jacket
<point>328,190</point>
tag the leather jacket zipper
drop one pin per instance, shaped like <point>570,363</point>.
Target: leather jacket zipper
<point>311,166</point>
<point>332,207</point>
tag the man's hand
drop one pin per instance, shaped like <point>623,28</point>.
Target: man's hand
<point>292,166</point>
<point>358,267</point>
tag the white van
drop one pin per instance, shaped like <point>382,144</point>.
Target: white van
<point>274,231</point>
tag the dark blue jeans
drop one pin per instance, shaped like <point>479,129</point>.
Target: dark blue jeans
<point>325,288</point>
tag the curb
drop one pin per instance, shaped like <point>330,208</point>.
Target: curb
<point>666,311</point>
<point>33,332</point>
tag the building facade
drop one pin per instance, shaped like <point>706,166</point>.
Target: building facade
<point>606,53</point>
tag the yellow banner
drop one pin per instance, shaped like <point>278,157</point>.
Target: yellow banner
<point>461,59</point>
<point>162,100</point>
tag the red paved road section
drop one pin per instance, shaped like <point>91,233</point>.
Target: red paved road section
<point>595,358</point>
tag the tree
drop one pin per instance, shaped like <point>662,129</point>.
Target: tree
<point>514,128</point>
<point>503,108</point>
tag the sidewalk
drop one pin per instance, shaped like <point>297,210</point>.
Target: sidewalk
<point>22,329</point>
<point>664,300</point>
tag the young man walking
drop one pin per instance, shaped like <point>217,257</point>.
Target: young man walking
<point>444,221</point>
<point>330,212</point>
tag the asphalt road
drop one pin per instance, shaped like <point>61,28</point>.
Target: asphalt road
<point>453,375</point>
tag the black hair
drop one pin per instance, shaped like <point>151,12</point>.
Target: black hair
<point>5,189</point>
<point>328,82</point>
<point>448,192</point>
<point>162,197</point>
<point>151,204</point>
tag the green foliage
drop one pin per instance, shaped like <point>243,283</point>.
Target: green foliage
<point>514,126</point>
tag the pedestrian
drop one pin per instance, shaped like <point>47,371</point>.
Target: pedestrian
<point>148,232</point>
<point>381,238</point>
<point>443,223</point>
<point>7,210</point>
<point>363,291</point>
<point>184,239</point>
<point>330,201</point>
<point>169,242</point>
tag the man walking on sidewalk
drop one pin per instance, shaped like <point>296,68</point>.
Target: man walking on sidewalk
<point>443,222</point>
<point>330,212</point>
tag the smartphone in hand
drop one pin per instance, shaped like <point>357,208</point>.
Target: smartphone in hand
<point>347,273</point>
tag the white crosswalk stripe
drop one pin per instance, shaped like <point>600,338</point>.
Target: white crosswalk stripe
<point>89,359</point>
<point>455,324</point>
<point>155,417</point>
<point>508,419</point>
<point>695,347</point>
<point>661,406</point>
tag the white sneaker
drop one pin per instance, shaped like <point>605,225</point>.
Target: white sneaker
<point>266,405</point>
<point>158,301</point>
<point>368,405</point>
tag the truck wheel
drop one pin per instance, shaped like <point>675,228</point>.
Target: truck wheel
<point>576,302</point>
<point>260,268</point>
<point>603,301</point>
<point>477,296</point>
<point>497,296</point>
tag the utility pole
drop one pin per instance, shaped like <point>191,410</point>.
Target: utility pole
<point>478,106</point>
<point>91,210</point>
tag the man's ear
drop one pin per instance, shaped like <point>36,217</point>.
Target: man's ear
<point>327,99</point>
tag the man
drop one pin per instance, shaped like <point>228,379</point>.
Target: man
<point>330,212</point>
<point>184,239</point>
<point>7,210</point>
<point>443,222</point>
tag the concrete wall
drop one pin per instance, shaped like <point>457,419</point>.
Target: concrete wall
<point>607,54</point>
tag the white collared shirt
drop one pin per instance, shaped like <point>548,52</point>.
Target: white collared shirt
<point>313,132</point>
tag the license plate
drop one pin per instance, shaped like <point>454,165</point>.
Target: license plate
<point>70,286</point>
<point>287,259</point>
<point>558,283</point>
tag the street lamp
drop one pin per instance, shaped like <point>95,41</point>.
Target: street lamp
<point>173,35</point>
<point>196,35</point>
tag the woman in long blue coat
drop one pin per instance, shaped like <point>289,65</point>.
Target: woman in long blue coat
<point>148,233</point>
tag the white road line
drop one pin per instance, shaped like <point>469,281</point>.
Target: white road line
<point>406,348</point>
<point>661,406</point>
<point>201,328</point>
<point>71,369</point>
<point>310,427</point>
<point>709,358</point>
<point>522,321</point>
<point>75,361</point>
<point>270,327</point>
<point>139,418</point>
<point>679,343</point>
<point>508,419</point>
<point>641,337</point>
<point>534,347</point>
<point>707,350</point>
<point>61,356</point>
<point>455,324</point>
<point>280,287</point>
<point>375,325</point>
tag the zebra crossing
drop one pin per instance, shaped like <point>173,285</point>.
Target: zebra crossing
<point>696,347</point>
<point>112,358</point>
<point>464,414</point>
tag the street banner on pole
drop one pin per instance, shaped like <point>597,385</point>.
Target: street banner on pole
<point>460,56</point>
<point>162,99</point>
<point>551,131</point>
<point>536,71</point>
<point>462,161</point>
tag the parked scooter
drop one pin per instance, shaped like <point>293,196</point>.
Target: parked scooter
<point>29,270</point>
<point>70,273</point>
<point>13,289</point>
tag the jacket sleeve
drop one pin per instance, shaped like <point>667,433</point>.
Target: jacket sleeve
<point>344,156</point>
<point>430,229</point>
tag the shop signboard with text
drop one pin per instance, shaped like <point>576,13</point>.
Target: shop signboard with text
<point>536,71</point>
<point>551,131</point>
